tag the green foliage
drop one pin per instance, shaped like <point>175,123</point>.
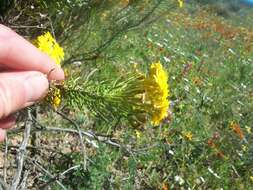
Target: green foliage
<point>209,60</point>
<point>109,100</point>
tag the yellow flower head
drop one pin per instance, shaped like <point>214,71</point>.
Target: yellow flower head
<point>138,134</point>
<point>244,148</point>
<point>47,44</point>
<point>156,92</point>
<point>188,135</point>
<point>181,3</point>
<point>55,97</point>
<point>248,129</point>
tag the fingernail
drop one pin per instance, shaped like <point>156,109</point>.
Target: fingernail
<point>36,87</point>
<point>56,74</point>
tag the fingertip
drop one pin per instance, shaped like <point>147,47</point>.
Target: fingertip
<point>56,74</point>
<point>53,71</point>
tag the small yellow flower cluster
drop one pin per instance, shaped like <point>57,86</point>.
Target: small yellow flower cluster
<point>248,129</point>
<point>188,135</point>
<point>157,92</point>
<point>55,98</point>
<point>138,134</point>
<point>244,148</point>
<point>181,3</point>
<point>47,44</point>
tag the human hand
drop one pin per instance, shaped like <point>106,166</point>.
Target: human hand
<point>23,80</point>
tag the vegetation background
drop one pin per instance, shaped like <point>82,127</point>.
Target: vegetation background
<point>206,143</point>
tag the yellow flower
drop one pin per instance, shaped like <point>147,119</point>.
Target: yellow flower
<point>244,148</point>
<point>248,129</point>
<point>138,134</point>
<point>156,93</point>
<point>47,44</point>
<point>251,178</point>
<point>188,135</point>
<point>181,3</point>
<point>55,98</point>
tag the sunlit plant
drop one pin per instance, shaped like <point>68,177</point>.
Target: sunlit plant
<point>136,98</point>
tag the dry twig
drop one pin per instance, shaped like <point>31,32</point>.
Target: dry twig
<point>5,159</point>
<point>3,185</point>
<point>48,173</point>
<point>80,136</point>
<point>21,153</point>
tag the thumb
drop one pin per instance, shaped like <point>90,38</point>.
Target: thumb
<point>20,89</point>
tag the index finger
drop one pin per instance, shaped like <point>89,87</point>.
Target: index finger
<point>19,54</point>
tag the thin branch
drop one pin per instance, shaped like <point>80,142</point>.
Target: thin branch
<point>93,54</point>
<point>48,173</point>
<point>5,159</point>
<point>24,181</point>
<point>88,134</point>
<point>3,185</point>
<point>80,136</point>
<point>235,171</point>
<point>59,176</point>
<point>38,149</point>
<point>70,169</point>
<point>21,152</point>
<point>100,138</point>
<point>23,26</point>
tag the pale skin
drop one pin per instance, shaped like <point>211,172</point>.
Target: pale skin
<point>24,75</point>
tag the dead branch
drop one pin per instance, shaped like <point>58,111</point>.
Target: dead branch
<point>21,153</point>
<point>24,181</point>
<point>48,173</point>
<point>3,185</point>
<point>80,136</point>
<point>5,159</point>
<point>59,176</point>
